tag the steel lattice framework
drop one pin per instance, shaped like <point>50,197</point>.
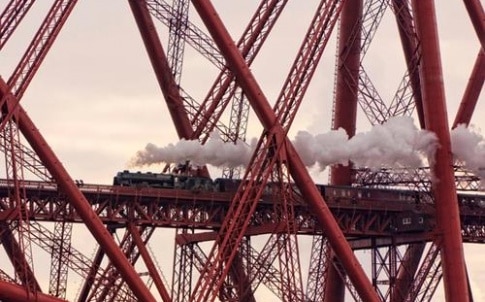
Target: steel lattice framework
<point>237,246</point>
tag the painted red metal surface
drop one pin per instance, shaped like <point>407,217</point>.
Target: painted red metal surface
<point>444,190</point>
<point>160,65</point>
<point>149,263</point>
<point>13,292</point>
<point>472,92</point>
<point>345,113</point>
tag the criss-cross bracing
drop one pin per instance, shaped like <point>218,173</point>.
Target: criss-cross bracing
<point>298,244</point>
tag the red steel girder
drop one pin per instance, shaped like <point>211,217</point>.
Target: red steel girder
<point>91,275</point>
<point>160,64</point>
<point>260,265</point>
<point>477,16</point>
<point>443,188</point>
<point>17,257</point>
<point>182,268</point>
<point>77,262</point>
<point>11,16</point>
<point>199,259</point>
<point>262,269</point>
<point>334,287</point>
<point>317,272</point>
<point>40,45</point>
<point>239,278</point>
<point>477,78</point>
<point>269,120</point>
<point>362,32</point>
<point>472,91</point>
<point>17,293</point>
<point>300,78</point>
<point>224,88</point>
<point>345,113</point>
<point>17,199</point>
<point>407,270</point>
<point>193,36</point>
<point>425,282</point>
<point>287,243</point>
<point>305,64</point>
<point>60,259</point>
<point>411,49</point>
<point>110,284</point>
<point>177,32</point>
<point>135,233</point>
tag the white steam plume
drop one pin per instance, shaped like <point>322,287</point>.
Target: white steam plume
<point>469,146</point>
<point>397,143</point>
<point>215,152</point>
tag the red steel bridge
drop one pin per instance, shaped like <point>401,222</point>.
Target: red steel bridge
<point>246,245</point>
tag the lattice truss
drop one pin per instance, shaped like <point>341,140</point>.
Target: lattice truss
<point>300,245</point>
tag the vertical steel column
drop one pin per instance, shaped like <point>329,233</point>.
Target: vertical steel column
<point>443,185</point>
<point>345,113</point>
<point>347,76</point>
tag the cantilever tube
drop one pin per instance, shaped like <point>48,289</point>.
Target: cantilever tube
<point>298,171</point>
<point>161,68</point>
<point>14,292</point>
<point>472,92</point>
<point>443,187</point>
<point>345,115</point>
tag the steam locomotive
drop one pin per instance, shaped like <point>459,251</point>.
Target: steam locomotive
<point>163,180</point>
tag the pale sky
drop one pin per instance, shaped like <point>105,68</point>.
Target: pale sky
<point>96,101</point>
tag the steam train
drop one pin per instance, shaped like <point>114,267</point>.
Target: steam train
<point>330,192</point>
<point>205,184</point>
<point>174,181</point>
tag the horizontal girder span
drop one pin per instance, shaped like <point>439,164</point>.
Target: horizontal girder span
<point>357,216</point>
